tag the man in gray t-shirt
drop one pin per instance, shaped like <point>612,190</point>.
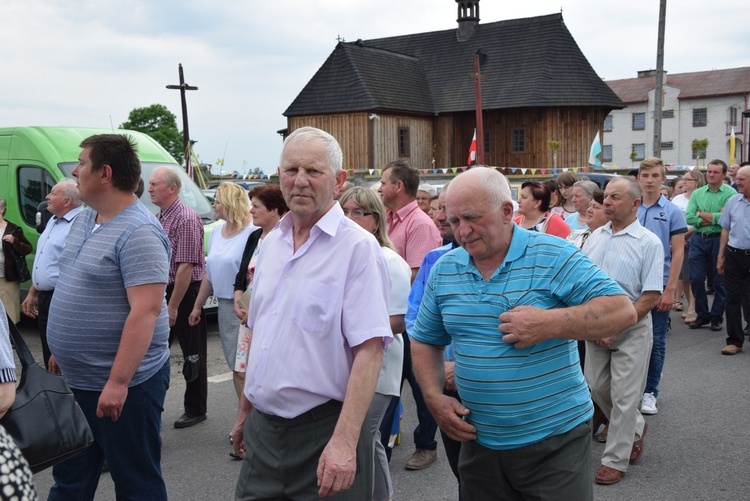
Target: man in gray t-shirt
<point>108,326</point>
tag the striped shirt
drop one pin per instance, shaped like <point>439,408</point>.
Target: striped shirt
<point>633,257</point>
<point>516,397</point>
<point>90,304</point>
<point>184,229</point>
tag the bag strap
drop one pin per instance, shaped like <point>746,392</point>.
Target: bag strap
<point>24,354</point>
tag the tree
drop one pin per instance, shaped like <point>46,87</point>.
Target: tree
<point>159,123</point>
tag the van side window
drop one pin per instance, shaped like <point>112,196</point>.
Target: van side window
<point>34,183</point>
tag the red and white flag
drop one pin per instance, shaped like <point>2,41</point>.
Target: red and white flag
<point>473,149</point>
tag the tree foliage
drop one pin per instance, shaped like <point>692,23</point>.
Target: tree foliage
<point>159,123</point>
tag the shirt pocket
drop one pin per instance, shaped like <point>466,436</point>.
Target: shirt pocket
<point>314,306</point>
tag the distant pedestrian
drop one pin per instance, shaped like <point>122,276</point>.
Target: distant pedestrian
<point>64,204</point>
<point>733,261</point>
<point>14,244</point>
<point>184,229</point>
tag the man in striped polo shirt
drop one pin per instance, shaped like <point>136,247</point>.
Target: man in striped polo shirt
<point>108,326</point>
<point>512,302</point>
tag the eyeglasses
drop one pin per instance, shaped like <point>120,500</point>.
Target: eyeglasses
<point>356,213</point>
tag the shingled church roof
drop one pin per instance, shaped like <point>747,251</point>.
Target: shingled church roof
<point>530,62</point>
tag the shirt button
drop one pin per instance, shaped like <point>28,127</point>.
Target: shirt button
<point>258,385</point>
<point>265,348</point>
<point>274,312</point>
<point>286,276</point>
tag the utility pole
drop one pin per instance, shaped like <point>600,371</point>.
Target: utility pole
<point>659,90</point>
<point>185,131</point>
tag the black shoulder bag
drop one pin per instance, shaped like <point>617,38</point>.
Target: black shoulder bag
<point>45,421</point>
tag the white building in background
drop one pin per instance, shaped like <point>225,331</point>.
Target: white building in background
<point>700,105</point>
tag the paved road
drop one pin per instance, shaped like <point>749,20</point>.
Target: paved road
<point>697,448</point>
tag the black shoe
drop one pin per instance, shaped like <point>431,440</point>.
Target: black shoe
<point>700,322</point>
<point>710,291</point>
<point>186,421</point>
<point>716,324</point>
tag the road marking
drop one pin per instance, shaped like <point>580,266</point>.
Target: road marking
<point>220,378</point>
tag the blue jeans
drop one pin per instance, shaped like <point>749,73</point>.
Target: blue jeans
<point>703,253</point>
<point>131,446</point>
<point>660,323</point>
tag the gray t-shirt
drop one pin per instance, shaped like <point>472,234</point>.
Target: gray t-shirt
<point>90,304</point>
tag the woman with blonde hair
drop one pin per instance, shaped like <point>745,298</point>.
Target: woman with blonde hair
<point>364,207</point>
<point>692,180</point>
<point>225,246</point>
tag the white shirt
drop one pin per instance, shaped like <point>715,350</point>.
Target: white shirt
<point>633,257</point>
<point>389,380</point>
<point>223,260</point>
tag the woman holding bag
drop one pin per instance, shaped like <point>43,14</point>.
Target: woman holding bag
<point>15,246</point>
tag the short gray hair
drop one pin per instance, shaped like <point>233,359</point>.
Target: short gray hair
<point>70,188</point>
<point>333,150</point>
<point>496,186</point>
<point>634,189</point>
<point>170,176</point>
<point>588,187</point>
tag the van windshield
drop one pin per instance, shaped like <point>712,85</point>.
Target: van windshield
<point>190,194</point>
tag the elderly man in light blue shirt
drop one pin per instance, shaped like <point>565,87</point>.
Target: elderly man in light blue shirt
<point>734,259</point>
<point>64,204</point>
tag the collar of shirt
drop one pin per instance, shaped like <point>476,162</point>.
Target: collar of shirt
<point>172,209</point>
<point>634,229</point>
<point>70,215</point>
<point>519,240</point>
<point>661,202</point>
<point>401,214</point>
<point>329,223</point>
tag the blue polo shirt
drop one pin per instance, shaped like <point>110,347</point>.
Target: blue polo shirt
<point>664,219</point>
<point>516,397</point>
<point>736,219</point>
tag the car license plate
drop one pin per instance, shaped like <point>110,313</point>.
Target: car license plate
<point>211,302</point>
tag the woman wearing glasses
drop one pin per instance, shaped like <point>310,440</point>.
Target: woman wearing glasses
<point>365,208</point>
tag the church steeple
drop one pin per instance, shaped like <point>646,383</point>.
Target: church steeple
<point>468,19</point>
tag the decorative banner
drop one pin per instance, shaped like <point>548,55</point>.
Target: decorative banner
<point>473,149</point>
<point>425,171</point>
<point>523,171</point>
<point>445,170</point>
<point>463,169</point>
<point>565,169</point>
<point>371,171</point>
<point>543,171</point>
<point>434,171</point>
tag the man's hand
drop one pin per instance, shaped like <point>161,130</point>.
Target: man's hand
<point>666,301</point>
<point>195,317</point>
<point>52,365</point>
<point>523,326</point>
<point>29,305</point>
<point>606,342</point>
<point>450,383</point>
<point>719,265</point>
<point>111,401</point>
<point>238,441</point>
<point>172,311</point>
<point>336,467</point>
<point>448,413</point>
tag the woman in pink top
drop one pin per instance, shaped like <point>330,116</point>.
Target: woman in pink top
<point>533,210</point>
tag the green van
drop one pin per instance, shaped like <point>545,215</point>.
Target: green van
<point>34,159</point>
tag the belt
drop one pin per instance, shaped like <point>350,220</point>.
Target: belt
<point>315,414</point>
<point>709,235</point>
<point>738,251</point>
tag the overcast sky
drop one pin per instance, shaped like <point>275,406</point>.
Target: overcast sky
<point>88,63</point>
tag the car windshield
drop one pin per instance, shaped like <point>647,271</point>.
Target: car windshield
<point>190,194</point>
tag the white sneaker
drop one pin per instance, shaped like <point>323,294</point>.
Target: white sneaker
<point>648,405</point>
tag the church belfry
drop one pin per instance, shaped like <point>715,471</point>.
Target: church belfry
<point>468,19</point>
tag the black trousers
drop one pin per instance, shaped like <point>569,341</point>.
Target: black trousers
<point>43,301</point>
<point>192,342</point>
<point>737,285</point>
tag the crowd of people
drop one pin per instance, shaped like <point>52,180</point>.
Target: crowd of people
<point>522,326</point>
